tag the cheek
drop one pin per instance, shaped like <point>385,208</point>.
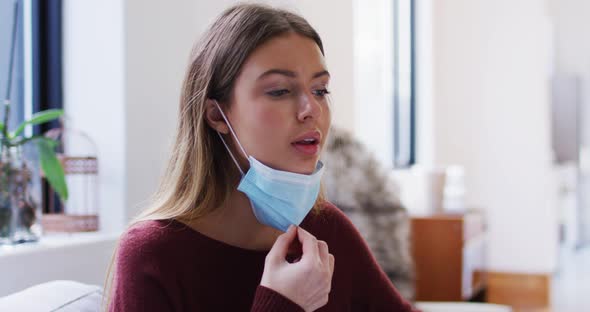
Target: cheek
<point>328,115</point>
<point>270,118</point>
<point>326,118</point>
<point>270,124</point>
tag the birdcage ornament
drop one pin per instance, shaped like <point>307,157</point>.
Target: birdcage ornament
<point>78,154</point>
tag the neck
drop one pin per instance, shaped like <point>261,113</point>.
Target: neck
<point>234,223</point>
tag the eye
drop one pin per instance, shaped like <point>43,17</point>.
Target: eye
<point>278,93</point>
<point>321,92</point>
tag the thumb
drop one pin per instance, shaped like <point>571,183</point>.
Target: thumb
<point>278,252</point>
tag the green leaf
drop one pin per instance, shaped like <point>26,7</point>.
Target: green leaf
<point>38,118</point>
<point>1,127</point>
<point>52,168</point>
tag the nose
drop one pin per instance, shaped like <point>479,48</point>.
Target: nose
<point>309,107</point>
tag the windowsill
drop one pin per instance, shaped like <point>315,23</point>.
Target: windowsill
<point>56,241</point>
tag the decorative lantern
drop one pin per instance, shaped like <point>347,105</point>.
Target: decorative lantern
<point>78,155</point>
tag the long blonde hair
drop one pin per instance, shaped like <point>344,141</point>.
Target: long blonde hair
<point>200,175</point>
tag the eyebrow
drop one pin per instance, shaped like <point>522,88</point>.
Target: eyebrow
<point>291,74</point>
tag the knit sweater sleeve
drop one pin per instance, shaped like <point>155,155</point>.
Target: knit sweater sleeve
<point>267,300</point>
<point>373,291</point>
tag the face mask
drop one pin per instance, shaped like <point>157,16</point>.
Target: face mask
<point>278,198</point>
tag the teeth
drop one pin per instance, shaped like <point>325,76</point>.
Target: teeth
<point>309,140</point>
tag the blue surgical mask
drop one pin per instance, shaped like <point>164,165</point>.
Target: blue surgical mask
<point>278,198</point>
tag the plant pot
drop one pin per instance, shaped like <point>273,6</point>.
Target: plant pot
<point>20,193</point>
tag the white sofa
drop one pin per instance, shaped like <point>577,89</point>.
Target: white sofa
<point>63,296</point>
<point>70,296</point>
<point>461,307</point>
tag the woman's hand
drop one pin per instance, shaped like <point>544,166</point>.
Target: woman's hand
<point>306,282</point>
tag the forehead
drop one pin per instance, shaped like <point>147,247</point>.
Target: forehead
<point>291,51</point>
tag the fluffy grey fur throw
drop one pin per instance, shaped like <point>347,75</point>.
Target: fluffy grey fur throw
<point>357,184</point>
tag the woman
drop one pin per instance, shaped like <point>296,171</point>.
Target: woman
<point>239,223</point>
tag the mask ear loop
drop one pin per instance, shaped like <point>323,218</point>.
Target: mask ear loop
<point>229,150</point>
<point>235,136</point>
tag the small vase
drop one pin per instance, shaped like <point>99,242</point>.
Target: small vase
<point>20,193</point>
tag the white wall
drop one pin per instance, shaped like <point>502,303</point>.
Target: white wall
<point>159,37</point>
<point>491,114</point>
<point>373,76</point>
<point>94,93</point>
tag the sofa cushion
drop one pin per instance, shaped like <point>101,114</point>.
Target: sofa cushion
<point>63,296</point>
<point>461,307</point>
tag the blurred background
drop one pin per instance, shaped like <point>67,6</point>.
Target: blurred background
<point>478,110</point>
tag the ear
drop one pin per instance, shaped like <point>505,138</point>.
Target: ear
<point>214,118</point>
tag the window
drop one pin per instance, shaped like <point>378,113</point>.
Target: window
<point>37,74</point>
<point>8,39</point>
<point>46,73</point>
<point>404,104</point>
<point>46,33</point>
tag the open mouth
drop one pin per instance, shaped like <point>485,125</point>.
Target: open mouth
<point>308,145</point>
<point>310,141</point>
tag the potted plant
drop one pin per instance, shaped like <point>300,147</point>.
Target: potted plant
<point>19,206</point>
<point>19,199</point>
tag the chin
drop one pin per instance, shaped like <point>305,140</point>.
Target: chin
<point>296,164</point>
<point>306,167</point>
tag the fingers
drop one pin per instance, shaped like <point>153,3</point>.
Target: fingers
<point>281,245</point>
<point>331,259</point>
<point>309,244</point>
<point>331,268</point>
<point>312,248</point>
<point>323,251</point>
<point>326,256</point>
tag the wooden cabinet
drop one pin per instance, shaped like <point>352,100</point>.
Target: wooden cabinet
<point>449,254</point>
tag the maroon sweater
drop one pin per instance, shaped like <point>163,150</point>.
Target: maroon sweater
<point>167,266</point>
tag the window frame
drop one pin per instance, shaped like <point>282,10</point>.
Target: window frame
<point>404,156</point>
<point>46,75</point>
